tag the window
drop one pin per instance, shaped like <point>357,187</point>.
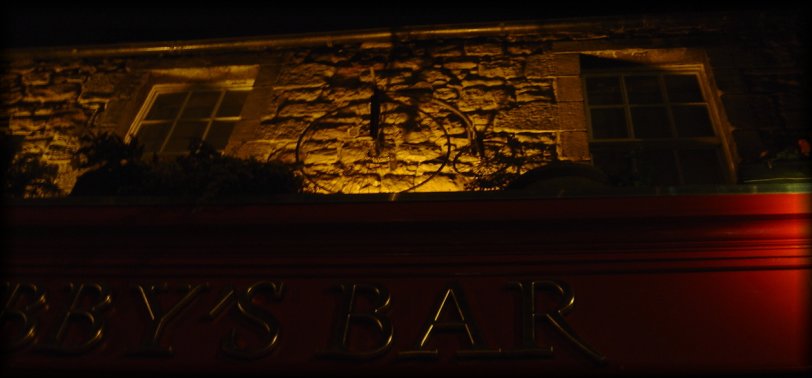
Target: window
<point>654,128</point>
<point>175,116</point>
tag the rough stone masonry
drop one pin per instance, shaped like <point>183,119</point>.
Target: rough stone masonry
<point>462,111</point>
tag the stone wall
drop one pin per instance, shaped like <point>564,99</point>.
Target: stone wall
<point>477,102</point>
<point>763,85</point>
<point>459,112</point>
<point>50,103</point>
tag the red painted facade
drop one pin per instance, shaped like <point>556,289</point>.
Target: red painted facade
<point>700,284</point>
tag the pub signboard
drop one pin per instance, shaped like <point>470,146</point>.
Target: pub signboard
<point>593,286</point>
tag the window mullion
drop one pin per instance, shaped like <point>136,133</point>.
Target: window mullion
<point>213,114</point>
<point>672,124</point>
<point>678,161</point>
<point>626,108</point>
<point>175,121</point>
<point>588,108</point>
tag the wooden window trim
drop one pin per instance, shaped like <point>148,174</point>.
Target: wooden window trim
<point>719,140</point>
<point>159,89</point>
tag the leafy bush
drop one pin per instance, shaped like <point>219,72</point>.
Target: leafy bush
<point>119,169</point>
<point>25,175</point>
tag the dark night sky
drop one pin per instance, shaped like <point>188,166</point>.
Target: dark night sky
<point>85,25</point>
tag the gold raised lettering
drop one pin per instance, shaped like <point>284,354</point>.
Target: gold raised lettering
<point>529,317</point>
<point>454,299</point>
<point>159,320</point>
<point>75,314</point>
<point>12,310</point>
<point>347,317</point>
<point>246,307</point>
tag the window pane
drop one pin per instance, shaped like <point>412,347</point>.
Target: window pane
<point>201,104</point>
<point>151,136</point>
<point>184,134</point>
<point>616,164</point>
<point>650,122</point>
<point>701,166</point>
<point>643,90</point>
<point>604,90</point>
<point>692,121</point>
<point>166,106</point>
<point>219,133</point>
<point>683,88</point>
<point>232,104</point>
<point>657,167</point>
<point>608,123</point>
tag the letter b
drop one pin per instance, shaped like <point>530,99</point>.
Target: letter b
<point>347,317</point>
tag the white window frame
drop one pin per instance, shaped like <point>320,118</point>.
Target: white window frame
<point>188,88</point>
<point>719,140</point>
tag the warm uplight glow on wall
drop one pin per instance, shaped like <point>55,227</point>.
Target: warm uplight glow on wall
<point>435,109</point>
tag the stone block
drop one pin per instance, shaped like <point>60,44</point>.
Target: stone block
<point>332,56</point>
<point>20,66</point>
<point>483,48</point>
<point>441,183</point>
<point>410,63</point>
<point>446,93</point>
<point>283,151</point>
<point>73,118</point>
<point>473,81</point>
<point>305,75</point>
<point>25,125</point>
<point>568,88</point>
<point>350,72</point>
<point>10,97</point>
<point>43,111</point>
<point>70,77</point>
<point>537,66</point>
<point>111,65</point>
<point>532,94</point>
<point>522,48</point>
<point>526,117</point>
<point>573,146</point>
<point>501,68</point>
<point>303,94</point>
<point>571,116</point>
<point>483,98</point>
<point>52,93</point>
<point>446,50</point>
<point>36,78</point>
<point>345,95</point>
<point>282,129</point>
<point>536,138</point>
<point>436,76</point>
<point>481,120</point>
<point>376,45</point>
<point>305,110</point>
<point>467,64</point>
<point>74,66</point>
<point>16,111</point>
<point>9,80</point>
<point>102,84</point>
<point>566,64</point>
<point>116,115</point>
<point>534,90</point>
